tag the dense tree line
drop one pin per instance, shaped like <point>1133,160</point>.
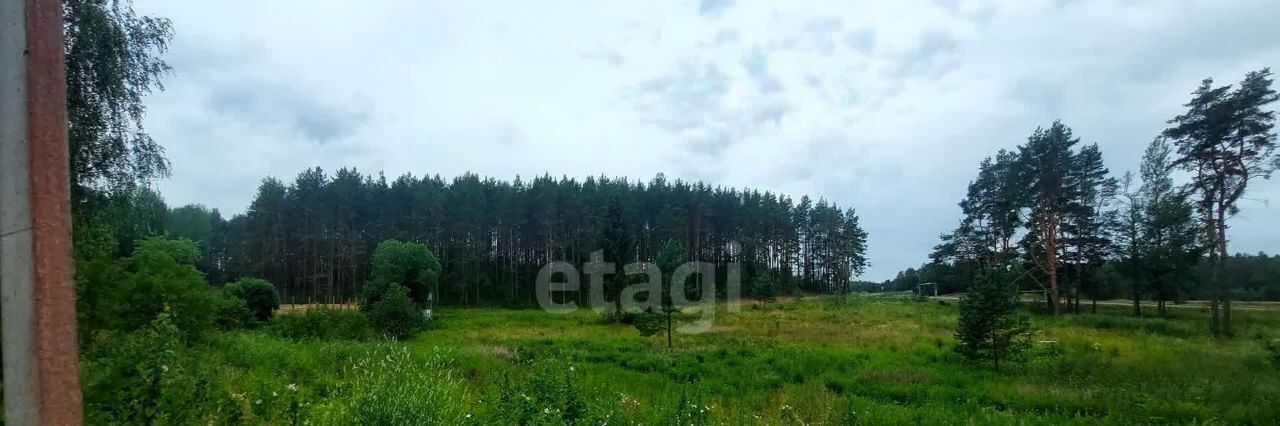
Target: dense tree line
<point>1050,209</point>
<point>313,237</point>
<point>1250,276</point>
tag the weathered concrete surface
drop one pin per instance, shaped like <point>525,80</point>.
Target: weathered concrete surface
<point>40,355</point>
<point>16,268</point>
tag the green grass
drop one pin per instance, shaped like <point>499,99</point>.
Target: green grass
<point>817,360</point>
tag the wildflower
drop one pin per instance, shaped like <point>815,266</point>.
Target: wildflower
<point>258,402</point>
<point>293,387</point>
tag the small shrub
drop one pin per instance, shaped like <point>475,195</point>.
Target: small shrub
<point>764,288</point>
<point>261,297</point>
<point>232,313</point>
<point>650,323</point>
<point>989,328</point>
<point>321,324</point>
<point>395,316</point>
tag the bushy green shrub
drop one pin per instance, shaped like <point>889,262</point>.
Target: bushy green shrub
<point>395,316</point>
<point>400,264</point>
<point>162,273</point>
<point>370,293</point>
<point>321,324</point>
<point>261,297</point>
<point>232,313</point>
<point>391,388</point>
<point>143,377</point>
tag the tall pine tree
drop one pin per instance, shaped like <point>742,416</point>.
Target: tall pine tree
<point>1225,140</point>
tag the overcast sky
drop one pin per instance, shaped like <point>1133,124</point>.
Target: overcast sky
<point>886,107</point>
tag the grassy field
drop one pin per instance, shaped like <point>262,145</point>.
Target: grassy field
<point>817,360</point>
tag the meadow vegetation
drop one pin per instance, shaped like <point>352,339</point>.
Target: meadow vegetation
<point>853,359</point>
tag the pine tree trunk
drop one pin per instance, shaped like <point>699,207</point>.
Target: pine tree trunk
<point>668,327</point>
<point>995,352</point>
<point>1225,323</point>
<point>1137,295</point>
<point>1051,266</point>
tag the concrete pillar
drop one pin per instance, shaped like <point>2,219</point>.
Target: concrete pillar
<point>37,297</point>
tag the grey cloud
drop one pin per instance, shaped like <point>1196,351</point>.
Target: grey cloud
<point>948,5</point>
<point>713,141</point>
<point>690,103</point>
<point>1043,97</point>
<point>194,59</point>
<point>685,98</point>
<point>726,37</point>
<point>505,134</point>
<point>817,35</point>
<point>980,12</point>
<point>255,102</point>
<point>260,104</point>
<point>862,39</point>
<point>756,63</point>
<point>1252,30</point>
<point>823,25</point>
<point>714,8</point>
<point>983,15</point>
<point>608,56</point>
<point>636,31</point>
<point>928,57</point>
<point>770,110</point>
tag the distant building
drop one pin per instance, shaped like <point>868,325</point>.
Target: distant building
<point>927,289</point>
